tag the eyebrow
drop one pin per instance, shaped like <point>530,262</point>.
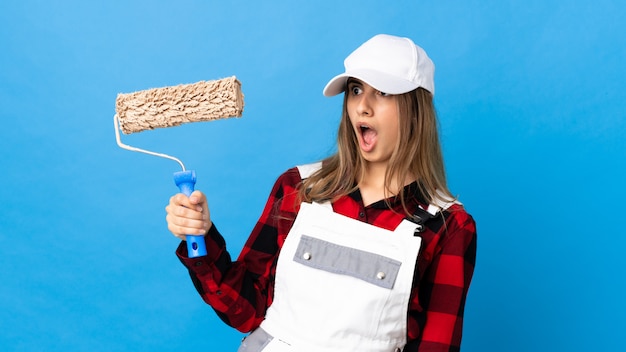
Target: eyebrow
<point>353,80</point>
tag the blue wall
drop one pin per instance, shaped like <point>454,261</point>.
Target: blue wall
<point>530,96</point>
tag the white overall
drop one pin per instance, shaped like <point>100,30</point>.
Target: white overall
<point>341,285</point>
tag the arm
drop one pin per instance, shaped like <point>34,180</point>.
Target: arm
<point>240,291</point>
<point>437,325</point>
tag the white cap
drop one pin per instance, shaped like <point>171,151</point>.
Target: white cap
<point>390,64</point>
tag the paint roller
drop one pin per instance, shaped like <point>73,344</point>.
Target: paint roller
<point>173,106</point>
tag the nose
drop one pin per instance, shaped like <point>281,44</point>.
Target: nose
<point>364,108</point>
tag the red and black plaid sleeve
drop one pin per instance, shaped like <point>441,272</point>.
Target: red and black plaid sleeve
<point>240,291</point>
<point>445,270</point>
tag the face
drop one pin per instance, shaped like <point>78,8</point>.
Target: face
<point>374,117</point>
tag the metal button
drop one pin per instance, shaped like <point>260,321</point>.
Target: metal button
<point>306,256</point>
<point>380,275</point>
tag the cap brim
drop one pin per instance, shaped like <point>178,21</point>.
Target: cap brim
<point>377,80</point>
<point>336,85</point>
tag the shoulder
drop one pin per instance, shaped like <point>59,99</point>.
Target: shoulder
<point>460,217</point>
<point>307,170</point>
<point>460,227</point>
<point>290,180</point>
<point>292,177</point>
<point>284,201</point>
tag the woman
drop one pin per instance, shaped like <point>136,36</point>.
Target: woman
<point>366,250</point>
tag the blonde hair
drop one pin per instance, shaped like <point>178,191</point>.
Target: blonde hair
<point>417,155</point>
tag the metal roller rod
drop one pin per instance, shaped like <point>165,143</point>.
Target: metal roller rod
<point>128,147</point>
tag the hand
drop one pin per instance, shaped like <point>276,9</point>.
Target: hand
<point>188,215</point>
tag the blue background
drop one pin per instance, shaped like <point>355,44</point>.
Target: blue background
<point>530,95</point>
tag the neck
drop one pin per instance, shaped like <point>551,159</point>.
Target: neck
<point>372,184</point>
<point>373,175</point>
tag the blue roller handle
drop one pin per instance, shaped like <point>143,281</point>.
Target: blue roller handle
<point>186,180</point>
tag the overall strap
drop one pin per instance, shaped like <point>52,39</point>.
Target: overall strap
<point>308,169</point>
<point>433,217</point>
<point>420,217</point>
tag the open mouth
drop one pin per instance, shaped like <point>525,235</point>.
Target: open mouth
<point>368,137</point>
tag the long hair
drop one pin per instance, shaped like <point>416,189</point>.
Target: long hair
<point>417,155</point>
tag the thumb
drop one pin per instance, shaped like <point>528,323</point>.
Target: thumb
<point>197,198</point>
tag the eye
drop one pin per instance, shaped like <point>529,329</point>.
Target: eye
<point>384,94</point>
<point>355,90</point>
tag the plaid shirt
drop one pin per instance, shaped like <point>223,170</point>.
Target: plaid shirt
<point>240,291</point>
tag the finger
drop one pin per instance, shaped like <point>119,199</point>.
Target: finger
<point>184,212</point>
<point>184,226</point>
<point>180,199</point>
<point>198,199</point>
